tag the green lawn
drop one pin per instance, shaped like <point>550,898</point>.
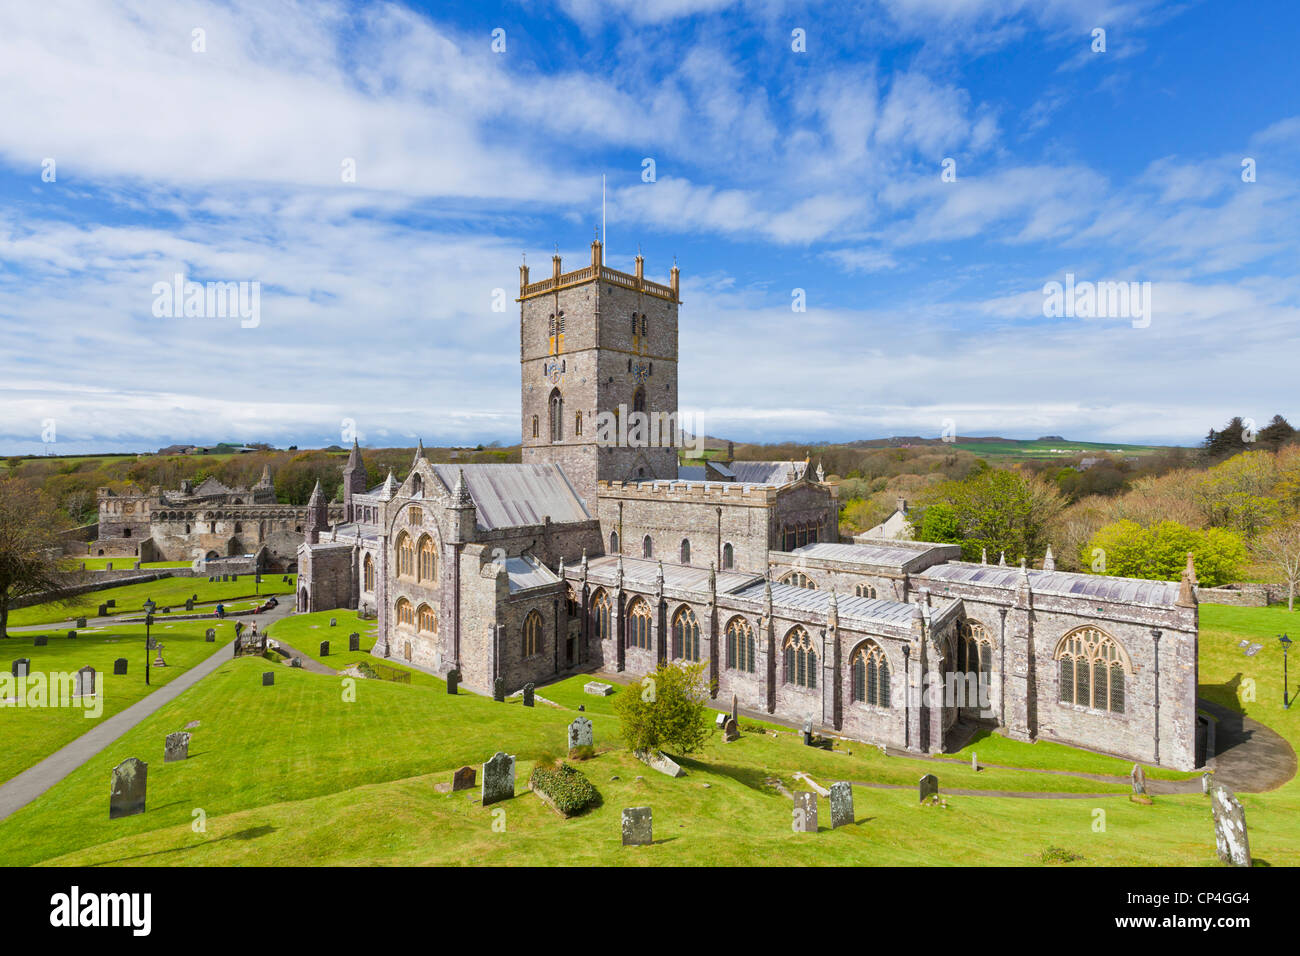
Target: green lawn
<point>164,592</point>
<point>295,774</point>
<point>31,734</point>
<point>74,563</point>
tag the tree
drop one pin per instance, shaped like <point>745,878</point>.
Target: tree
<point>1278,549</point>
<point>667,709</point>
<point>30,547</point>
<point>1238,493</point>
<point>939,524</point>
<point>1159,553</point>
<point>1003,511</point>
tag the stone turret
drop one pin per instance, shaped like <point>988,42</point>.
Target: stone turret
<point>419,452</point>
<point>1187,586</point>
<point>264,490</point>
<point>318,516</point>
<point>354,480</point>
<point>1049,560</point>
<point>464,513</point>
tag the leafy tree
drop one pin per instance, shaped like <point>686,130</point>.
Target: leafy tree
<point>1238,493</point>
<point>30,547</point>
<point>1159,553</point>
<point>1003,511</point>
<point>1278,549</point>
<point>667,709</point>
<point>939,523</point>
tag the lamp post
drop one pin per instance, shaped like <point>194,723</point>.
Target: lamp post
<point>148,622</point>
<point>1286,645</point>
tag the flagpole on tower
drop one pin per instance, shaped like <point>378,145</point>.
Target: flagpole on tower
<point>602,210</point>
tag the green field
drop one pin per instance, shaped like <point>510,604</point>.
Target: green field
<point>304,633</point>
<point>1006,451</point>
<point>31,734</point>
<point>164,592</point>
<point>298,774</point>
<point>74,563</point>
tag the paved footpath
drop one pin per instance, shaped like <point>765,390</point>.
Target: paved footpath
<point>34,781</point>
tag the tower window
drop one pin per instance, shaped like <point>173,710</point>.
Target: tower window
<point>643,324</point>
<point>647,547</point>
<point>577,424</point>
<point>557,416</point>
<point>534,426</point>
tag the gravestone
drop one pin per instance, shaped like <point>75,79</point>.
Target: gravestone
<point>499,690</point>
<point>111,602</point>
<point>597,689</point>
<point>1205,782</point>
<point>453,680</point>
<point>211,635</point>
<point>85,685</point>
<point>324,648</point>
<point>72,635</point>
<point>735,709</point>
<point>1138,777</point>
<point>1230,837</point>
<point>805,812</point>
<point>730,730</point>
<point>189,604</point>
<point>234,577</point>
<point>296,662</point>
<point>661,762</point>
<point>103,610</point>
<point>268,678</point>
<point>638,826</point>
<point>22,667</point>
<point>464,779</point>
<point>42,640</point>
<point>211,578</point>
<point>528,695</point>
<point>581,734</point>
<point>975,761</point>
<point>841,804</point>
<point>176,747</point>
<point>721,719</point>
<point>498,778</point>
<point>151,643</point>
<point>807,734</point>
<point>354,641</point>
<point>929,786</point>
<point>81,622</point>
<point>119,667</point>
<point>127,788</point>
<point>334,622</point>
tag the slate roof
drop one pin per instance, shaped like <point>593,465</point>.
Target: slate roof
<point>1064,583</point>
<point>527,572</point>
<point>640,573</point>
<point>790,597</point>
<point>884,554</point>
<point>767,473</point>
<point>509,495</point>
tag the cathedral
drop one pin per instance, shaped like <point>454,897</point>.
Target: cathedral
<point>599,552</point>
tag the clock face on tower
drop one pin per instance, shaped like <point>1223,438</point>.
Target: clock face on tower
<point>553,370</point>
<point>641,372</point>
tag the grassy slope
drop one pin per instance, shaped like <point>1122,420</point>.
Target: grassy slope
<point>164,592</point>
<point>30,735</point>
<point>292,774</point>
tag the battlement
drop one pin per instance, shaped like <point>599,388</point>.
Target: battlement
<point>597,271</point>
<point>668,489</point>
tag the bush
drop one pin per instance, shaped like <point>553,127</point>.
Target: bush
<point>1159,552</point>
<point>668,708</point>
<point>569,791</point>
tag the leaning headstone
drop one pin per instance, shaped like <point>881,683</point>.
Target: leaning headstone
<point>841,804</point>
<point>354,641</point>
<point>805,812</point>
<point>499,690</point>
<point>127,789</point>
<point>597,689</point>
<point>22,667</point>
<point>730,730</point>
<point>929,786</point>
<point>498,778</point>
<point>177,747</point>
<point>661,762</point>
<point>735,709</point>
<point>324,648</point>
<point>268,678</point>
<point>453,680</point>
<point>638,826</point>
<point>1230,837</point>
<point>211,635</point>
<point>85,685</point>
<point>464,779</point>
<point>807,734</point>
<point>1138,777</point>
<point>528,695</point>
<point>581,734</point>
<point>108,565</point>
<point>42,640</point>
<point>119,667</point>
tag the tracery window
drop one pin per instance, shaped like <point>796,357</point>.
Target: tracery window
<point>974,648</point>
<point>800,659</point>
<point>864,590</point>
<point>638,625</point>
<point>740,645</point>
<point>405,612</point>
<point>428,564</point>
<point>405,555</point>
<point>1091,671</point>
<point>870,671</point>
<point>799,580</point>
<point>532,634</point>
<point>369,573</point>
<point>426,620</point>
<point>600,611</point>
<point>686,635</point>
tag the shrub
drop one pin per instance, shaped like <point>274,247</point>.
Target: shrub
<point>1160,552</point>
<point>668,708</point>
<point>1055,854</point>
<point>568,790</point>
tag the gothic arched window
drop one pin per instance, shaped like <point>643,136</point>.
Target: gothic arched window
<point>427,569</point>
<point>405,612</point>
<point>647,547</point>
<point>1091,666</point>
<point>686,551</point>
<point>557,415</point>
<point>613,542</point>
<point>368,566</point>
<point>870,673</point>
<point>686,635</point>
<point>405,555</point>
<point>728,557</point>
<point>600,612</point>
<point>535,423</point>
<point>426,620</point>
<point>864,590</point>
<point>800,659</point>
<point>638,625</point>
<point>740,645</point>
<point>799,580</point>
<point>532,634</point>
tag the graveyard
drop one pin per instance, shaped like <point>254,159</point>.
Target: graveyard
<point>297,773</point>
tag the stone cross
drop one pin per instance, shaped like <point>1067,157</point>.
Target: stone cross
<point>1230,837</point>
<point>1138,776</point>
<point>528,695</point>
<point>638,826</point>
<point>127,788</point>
<point>805,812</point>
<point>928,786</point>
<point>498,778</point>
<point>176,747</point>
<point>581,734</point>
<point>841,804</point>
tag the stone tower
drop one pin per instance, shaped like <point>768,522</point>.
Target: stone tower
<point>318,515</point>
<point>598,360</point>
<point>354,480</point>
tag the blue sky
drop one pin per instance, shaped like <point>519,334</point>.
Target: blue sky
<point>776,170</point>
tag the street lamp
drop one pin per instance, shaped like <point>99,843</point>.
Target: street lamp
<point>148,622</point>
<point>1286,645</point>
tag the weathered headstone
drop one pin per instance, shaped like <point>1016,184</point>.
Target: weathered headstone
<point>189,604</point>
<point>324,648</point>
<point>1230,837</point>
<point>841,804</point>
<point>296,662</point>
<point>85,684</point>
<point>354,641</point>
<point>805,812</point>
<point>211,635</point>
<point>1205,782</point>
<point>498,778</point>
<point>111,602</point>
<point>638,826</point>
<point>119,667</point>
<point>22,667</point>
<point>268,678</point>
<point>528,695</point>
<point>581,734</point>
<point>1138,777</point>
<point>81,622</point>
<point>453,680</point>
<point>807,734</point>
<point>108,565</point>
<point>151,643</point>
<point>597,689</point>
<point>334,622</point>
<point>177,747</point>
<point>103,610</point>
<point>234,577</point>
<point>499,690</point>
<point>721,719</point>
<point>42,640</point>
<point>464,779</point>
<point>929,786</point>
<point>661,762</point>
<point>127,789</point>
<point>975,761</point>
<point>735,709</point>
<point>730,730</point>
<point>72,635</point>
